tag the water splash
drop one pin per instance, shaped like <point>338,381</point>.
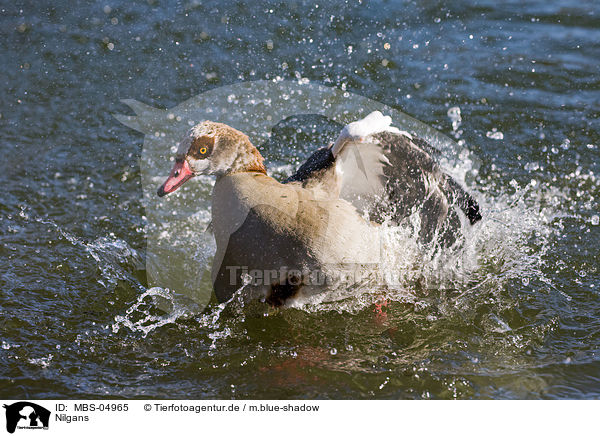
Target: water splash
<point>154,308</point>
<point>114,256</point>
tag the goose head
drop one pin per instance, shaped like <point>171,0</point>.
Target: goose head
<point>211,148</point>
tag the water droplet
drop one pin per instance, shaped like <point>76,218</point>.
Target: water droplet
<point>495,134</point>
<point>532,166</point>
<point>455,117</point>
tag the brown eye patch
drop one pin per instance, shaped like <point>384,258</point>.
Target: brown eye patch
<point>202,147</point>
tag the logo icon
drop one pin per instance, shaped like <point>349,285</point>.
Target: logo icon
<point>26,415</point>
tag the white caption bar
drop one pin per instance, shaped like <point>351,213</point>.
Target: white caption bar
<point>180,417</point>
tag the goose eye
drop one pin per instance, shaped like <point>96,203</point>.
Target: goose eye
<point>201,147</point>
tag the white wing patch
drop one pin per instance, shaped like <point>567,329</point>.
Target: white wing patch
<point>359,130</point>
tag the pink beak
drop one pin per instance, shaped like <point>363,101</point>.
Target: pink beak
<point>180,174</point>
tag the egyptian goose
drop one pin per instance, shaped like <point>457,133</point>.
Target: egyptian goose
<point>282,240</point>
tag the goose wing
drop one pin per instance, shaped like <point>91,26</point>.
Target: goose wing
<point>392,176</point>
<point>389,174</point>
